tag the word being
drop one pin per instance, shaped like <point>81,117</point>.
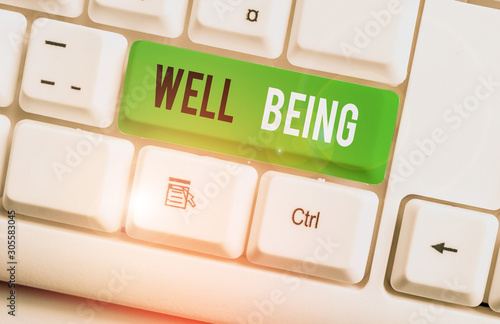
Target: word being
<point>167,89</point>
<point>324,123</point>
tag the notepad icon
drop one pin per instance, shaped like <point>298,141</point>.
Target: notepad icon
<point>178,194</point>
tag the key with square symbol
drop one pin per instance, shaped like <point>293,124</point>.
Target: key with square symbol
<point>253,27</point>
<point>73,73</point>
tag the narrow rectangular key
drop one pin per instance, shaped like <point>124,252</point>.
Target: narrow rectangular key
<point>160,17</point>
<point>313,227</point>
<point>255,27</point>
<point>12,30</point>
<point>258,112</point>
<point>363,39</point>
<point>444,252</point>
<point>73,73</point>
<point>191,202</point>
<point>68,175</point>
<point>4,136</point>
<point>67,8</point>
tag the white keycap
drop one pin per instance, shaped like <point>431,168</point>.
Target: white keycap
<point>68,8</point>
<point>73,73</point>
<point>12,30</point>
<point>363,39</point>
<point>160,17</point>
<point>448,147</point>
<point>444,252</point>
<point>192,202</point>
<point>312,227</point>
<point>4,136</point>
<point>68,175</point>
<point>255,27</point>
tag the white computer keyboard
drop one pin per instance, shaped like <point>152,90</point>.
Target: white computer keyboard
<point>233,161</point>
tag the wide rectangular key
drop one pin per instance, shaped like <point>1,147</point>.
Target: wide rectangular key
<point>160,17</point>
<point>67,8</point>
<point>258,112</point>
<point>368,39</point>
<point>68,175</point>
<point>12,30</point>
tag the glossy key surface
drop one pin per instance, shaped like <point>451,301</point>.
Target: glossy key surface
<point>158,17</point>
<point>191,202</point>
<point>68,175</point>
<point>73,73</point>
<point>258,112</point>
<point>313,227</point>
<point>444,252</point>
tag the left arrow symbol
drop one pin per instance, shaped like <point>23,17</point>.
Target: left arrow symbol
<point>441,248</point>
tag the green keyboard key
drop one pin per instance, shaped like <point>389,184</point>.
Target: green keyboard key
<point>258,112</point>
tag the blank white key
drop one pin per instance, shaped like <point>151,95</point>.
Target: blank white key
<point>255,27</point>
<point>73,73</point>
<point>444,252</point>
<point>4,136</point>
<point>160,17</point>
<point>448,147</point>
<point>192,202</point>
<point>12,30</point>
<point>364,38</point>
<point>312,227</point>
<point>68,8</point>
<point>68,175</point>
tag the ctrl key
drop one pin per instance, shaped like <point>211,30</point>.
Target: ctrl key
<point>312,227</point>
